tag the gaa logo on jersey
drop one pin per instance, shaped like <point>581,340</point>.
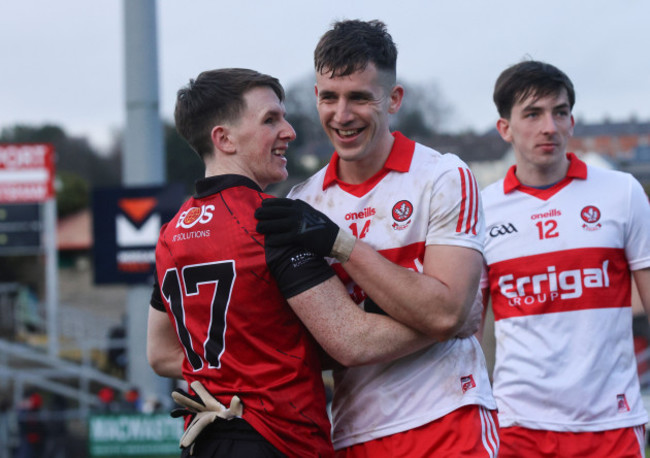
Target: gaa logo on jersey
<point>502,229</point>
<point>194,215</point>
<point>402,212</point>
<point>590,215</point>
<point>467,383</point>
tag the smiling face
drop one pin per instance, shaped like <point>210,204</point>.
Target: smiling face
<point>539,129</point>
<point>353,111</point>
<point>261,137</point>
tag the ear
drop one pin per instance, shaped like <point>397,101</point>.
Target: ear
<point>503,126</point>
<point>316,90</point>
<point>396,96</point>
<point>573,123</point>
<point>223,140</point>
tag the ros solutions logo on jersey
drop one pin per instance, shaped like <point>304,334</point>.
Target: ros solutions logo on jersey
<point>189,218</point>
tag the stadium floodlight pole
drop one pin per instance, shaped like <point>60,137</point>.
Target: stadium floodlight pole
<point>51,276</point>
<point>143,164</point>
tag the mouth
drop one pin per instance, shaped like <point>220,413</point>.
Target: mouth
<point>548,146</point>
<point>348,133</point>
<point>278,152</point>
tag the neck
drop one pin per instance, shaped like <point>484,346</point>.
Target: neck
<point>540,176</point>
<point>225,166</point>
<point>357,171</point>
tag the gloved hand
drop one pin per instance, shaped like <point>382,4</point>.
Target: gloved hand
<point>204,409</point>
<point>288,221</point>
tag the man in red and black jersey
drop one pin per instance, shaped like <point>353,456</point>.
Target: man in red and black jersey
<point>240,317</point>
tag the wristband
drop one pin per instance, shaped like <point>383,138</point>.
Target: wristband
<point>343,245</point>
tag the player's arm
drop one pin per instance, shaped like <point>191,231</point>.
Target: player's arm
<point>485,295</point>
<point>347,333</point>
<point>164,351</point>
<point>435,302</point>
<point>642,281</point>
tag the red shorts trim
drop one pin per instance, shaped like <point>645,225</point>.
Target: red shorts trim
<point>531,443</point>
<point>470,431</point>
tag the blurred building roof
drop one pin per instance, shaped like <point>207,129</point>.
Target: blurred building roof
<point>74,232</point>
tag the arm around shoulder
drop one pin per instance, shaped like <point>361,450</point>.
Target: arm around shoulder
<point>435,302</point>
<point>350,335</point>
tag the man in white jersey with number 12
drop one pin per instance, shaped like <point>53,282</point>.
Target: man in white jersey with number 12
<point>561,240</point>
<point>418,222</point>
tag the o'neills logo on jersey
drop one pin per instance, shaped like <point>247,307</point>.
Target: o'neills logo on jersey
<point>590,215</point>
<point>549,214</point>
<point>366,213</point>
<point>552,285</point>
<point>189,218</point>
<point>402,212</point>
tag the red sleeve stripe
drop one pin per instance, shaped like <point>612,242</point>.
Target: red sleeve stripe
<point>468,215</point>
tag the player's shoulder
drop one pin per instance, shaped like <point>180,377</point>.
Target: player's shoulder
<point>430,160</point>
<point>311,184</point>
<point>596,174</point>
<point>492,193</point>
<point>494,188</point>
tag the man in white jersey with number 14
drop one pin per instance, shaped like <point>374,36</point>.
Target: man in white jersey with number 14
<point>418,222</point>
<point>561,240</point>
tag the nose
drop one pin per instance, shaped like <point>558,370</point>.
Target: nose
<point>288,133</point>
<point>549,125</point>
<point>342,113</point>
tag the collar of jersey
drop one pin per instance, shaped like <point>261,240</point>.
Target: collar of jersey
<point>214,184</point>
<point>399,160</point>
<point>577,169</point>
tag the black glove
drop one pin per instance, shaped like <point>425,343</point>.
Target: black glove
<point>371,306</point>
<point>287,221</point>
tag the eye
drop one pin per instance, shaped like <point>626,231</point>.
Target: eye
<point>360,98</point>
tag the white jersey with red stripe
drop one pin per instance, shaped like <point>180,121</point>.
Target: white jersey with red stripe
<point>559,263</point>
<point>421,198</point>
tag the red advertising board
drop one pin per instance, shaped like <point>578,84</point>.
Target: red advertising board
<point>26,172</point>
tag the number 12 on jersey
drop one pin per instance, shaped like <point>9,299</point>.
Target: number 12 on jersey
<point>547,229</point>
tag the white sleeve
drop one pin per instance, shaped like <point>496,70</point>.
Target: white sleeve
<point>456,211</point>
<point>637,229</point>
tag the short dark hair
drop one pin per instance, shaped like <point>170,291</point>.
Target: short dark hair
<point>350,45</point>
<point>530,77</point>
<point>216,97</point>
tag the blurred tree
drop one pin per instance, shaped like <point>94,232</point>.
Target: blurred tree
<point>183,164</point>
<point>305,153</point>
<point>72,193</point>
<point>424,111</point>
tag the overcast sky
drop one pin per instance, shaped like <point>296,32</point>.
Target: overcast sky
<point>62,61</point>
